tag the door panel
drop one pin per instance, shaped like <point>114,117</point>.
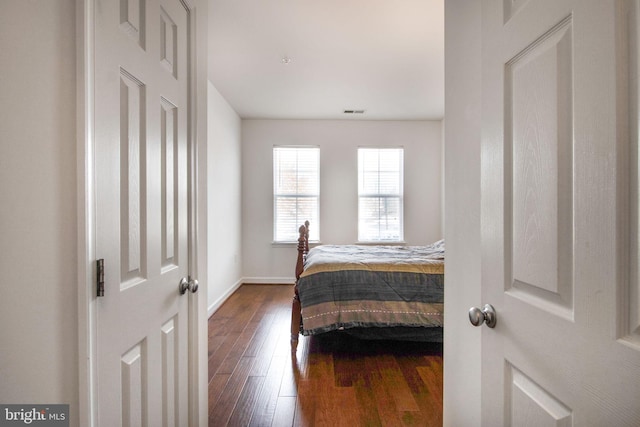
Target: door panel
<point>630,301</point>
<point>528,404</point>
<point>170,354</point>
<point>133,164</point>
<point>141,136</point>
<point>170,179</point>
<point>134,390</point>
<point>554,246</point>
<point>538,159</point>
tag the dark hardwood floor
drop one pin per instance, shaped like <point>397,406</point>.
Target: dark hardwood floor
<point>336,380</point>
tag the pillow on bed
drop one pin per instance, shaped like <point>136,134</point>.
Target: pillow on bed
<point>438,246</point>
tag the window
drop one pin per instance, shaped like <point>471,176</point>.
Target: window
<point>380,182</point>
<point>296,190</point>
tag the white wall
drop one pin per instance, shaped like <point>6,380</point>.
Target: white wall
<point>462,130</point>
<point>38,299</point>
<point>338,141</point>
<point>224,199</point>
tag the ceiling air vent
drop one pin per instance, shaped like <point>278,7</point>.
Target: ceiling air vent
<point>353,111</point>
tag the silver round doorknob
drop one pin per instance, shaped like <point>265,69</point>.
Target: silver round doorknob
<point>183,286</point>
<point>188,285</point>
<point>487,315</point>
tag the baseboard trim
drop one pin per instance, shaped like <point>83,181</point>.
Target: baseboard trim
<point>218,303</point>
<point>269,280</point>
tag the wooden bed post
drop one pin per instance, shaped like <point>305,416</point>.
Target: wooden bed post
<point>296,315</point>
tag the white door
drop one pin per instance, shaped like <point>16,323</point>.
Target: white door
<point>141,134</point>
<point>555,216</point>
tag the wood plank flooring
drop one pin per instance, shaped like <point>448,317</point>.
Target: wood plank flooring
<point>332,380</point>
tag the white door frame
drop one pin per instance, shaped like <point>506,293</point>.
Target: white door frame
<point>462,135</point>
<point>85,85</point>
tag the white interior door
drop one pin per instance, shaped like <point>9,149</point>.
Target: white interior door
<point>141,133</point>
<point>556,261</point>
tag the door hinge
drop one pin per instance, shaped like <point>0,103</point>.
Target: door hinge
<point>100,269</point>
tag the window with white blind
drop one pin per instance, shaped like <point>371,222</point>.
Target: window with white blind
<point>380,194</point>
<point>296,192</point>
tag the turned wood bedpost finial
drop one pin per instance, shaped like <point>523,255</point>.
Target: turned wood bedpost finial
<point>302,231</point>
<point>303,248</point>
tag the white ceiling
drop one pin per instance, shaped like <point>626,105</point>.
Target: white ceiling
<point>382,56</point>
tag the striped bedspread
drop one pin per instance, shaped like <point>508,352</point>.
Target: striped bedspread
<point>352,286</point>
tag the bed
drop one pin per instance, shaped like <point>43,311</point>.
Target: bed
<point>372,292</point>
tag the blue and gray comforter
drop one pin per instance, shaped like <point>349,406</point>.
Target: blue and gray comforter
<point>353,286</point>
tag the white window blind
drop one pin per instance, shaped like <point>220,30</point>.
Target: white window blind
<point>296,192</point>
<point>380,194</point>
